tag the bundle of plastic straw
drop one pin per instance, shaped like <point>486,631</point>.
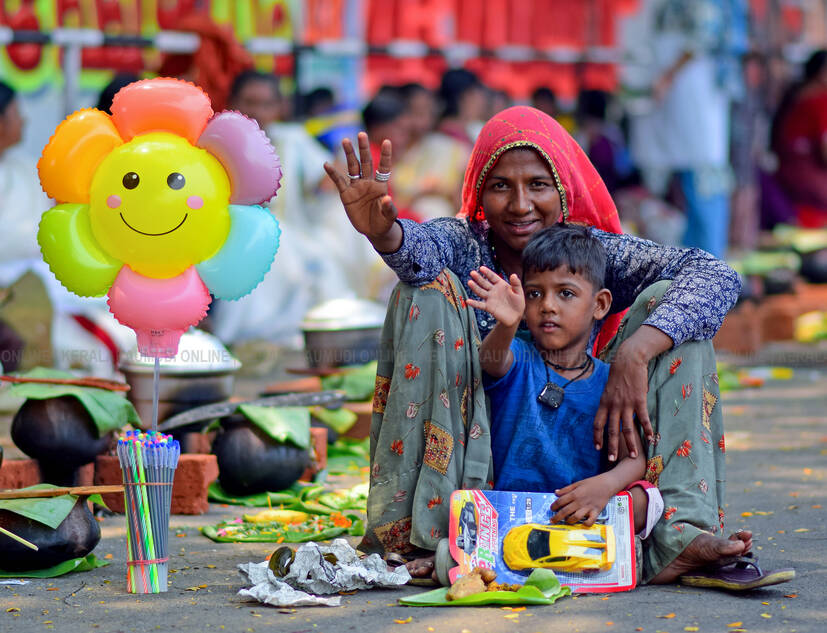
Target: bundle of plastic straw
<point>148,461</point>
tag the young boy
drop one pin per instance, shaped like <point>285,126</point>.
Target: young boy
<point>545,393</point>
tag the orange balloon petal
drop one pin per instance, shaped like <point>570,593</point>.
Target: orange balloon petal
<point>74,152</point>
<point>161,105</point>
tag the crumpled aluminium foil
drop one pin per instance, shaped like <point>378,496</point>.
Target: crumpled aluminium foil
<point>311,576</point>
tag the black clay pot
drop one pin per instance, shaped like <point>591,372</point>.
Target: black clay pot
<point>814,266</point>
<point>60,434</point>
<point>76,536</point>
<point>249,461</point>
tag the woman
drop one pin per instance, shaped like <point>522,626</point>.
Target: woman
<point>799,140</point>
<point>430,429</point>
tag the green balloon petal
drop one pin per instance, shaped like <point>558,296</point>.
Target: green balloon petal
<point>73,254</point>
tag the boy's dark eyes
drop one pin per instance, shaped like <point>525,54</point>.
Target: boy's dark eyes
<point>532,294</point>
<point>566,293</point>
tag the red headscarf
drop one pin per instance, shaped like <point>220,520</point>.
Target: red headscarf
<point>583,195</point>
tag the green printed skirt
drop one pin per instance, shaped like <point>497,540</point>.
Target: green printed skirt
<point>430,428</point>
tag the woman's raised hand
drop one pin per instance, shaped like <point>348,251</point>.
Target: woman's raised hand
<point>364,193</point>
<point>502,299</point>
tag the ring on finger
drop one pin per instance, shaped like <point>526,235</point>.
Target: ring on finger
<point>356,177</point>
<point>382,176</point>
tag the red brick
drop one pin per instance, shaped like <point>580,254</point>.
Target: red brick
<point>189,490</point>
<point>19,473</point>
<point>85,475</point>
<point>741,331</point>
<point>318,440</point>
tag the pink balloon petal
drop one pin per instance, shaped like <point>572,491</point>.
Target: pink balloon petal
<point>161,105</point>
<point>159,310</point>
<point>246,153</point>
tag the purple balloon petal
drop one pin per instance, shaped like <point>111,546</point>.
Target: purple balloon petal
<point>244,150</point>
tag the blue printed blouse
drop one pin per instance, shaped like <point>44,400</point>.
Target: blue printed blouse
<point>703,287</point>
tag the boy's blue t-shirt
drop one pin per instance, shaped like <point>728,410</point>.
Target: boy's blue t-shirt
<point>537,448</point>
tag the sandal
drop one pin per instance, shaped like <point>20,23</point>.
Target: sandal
<point>740,574</point>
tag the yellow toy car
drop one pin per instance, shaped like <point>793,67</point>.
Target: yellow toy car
<point>561,547</point>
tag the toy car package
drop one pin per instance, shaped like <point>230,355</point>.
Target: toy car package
<point>512,533</point>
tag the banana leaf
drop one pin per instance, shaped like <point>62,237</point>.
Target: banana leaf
<point>283,424</point>
<point>46,510</point>
<point>347,455</point>
<point>340,420</point>
<point>273,532</point>
<point>109,410</point>
<point>86,563</point>
<point>541,587</point>
<point>358,383</point>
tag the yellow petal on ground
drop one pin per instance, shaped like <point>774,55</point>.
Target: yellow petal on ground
<point>801,530</point>
<point>734,624</point>
<point>808,471</point>
<point>668,616</point>
<point>405,621</point>
<point>766,615</point>
<point>690,628</point>
<point>746,514</point>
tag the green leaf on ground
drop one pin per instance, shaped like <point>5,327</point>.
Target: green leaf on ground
<point>541,587</point>
<point>86,563</point>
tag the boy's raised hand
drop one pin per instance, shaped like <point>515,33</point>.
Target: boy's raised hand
<point>502,299</point>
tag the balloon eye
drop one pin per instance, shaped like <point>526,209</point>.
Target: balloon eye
<point>176,180</point>
<point>131,180</point>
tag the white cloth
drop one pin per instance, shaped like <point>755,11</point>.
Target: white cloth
<point>689,129</point>
<point>316,250</point>
<point>22,203</point>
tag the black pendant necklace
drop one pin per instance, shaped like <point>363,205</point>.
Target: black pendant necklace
<point>552,394</point>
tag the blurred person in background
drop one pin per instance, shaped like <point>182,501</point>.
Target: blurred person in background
<point>303,273</point>
<point>689,55</point>
<point>219,58</point>
<point>41,322</point>
<point>120,80</point>
<point>387,116</point>
<point>318,102</point>
<point>602,139</point>
<point>545,101</point>
<point>428,177</point>
<point>498,100</point>
<point>799,140</point>
<point>748,151</point>
<point>464,103</point>
<point>21,203</point>
<point>327,121</point>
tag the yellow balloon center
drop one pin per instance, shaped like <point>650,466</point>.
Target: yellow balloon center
<point>159,205</point>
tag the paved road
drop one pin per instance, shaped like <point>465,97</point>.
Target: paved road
<point>777,443</point>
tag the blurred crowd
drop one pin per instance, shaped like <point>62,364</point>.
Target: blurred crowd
<point>700,148</point>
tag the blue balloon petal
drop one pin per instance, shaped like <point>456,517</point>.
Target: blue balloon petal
<point>246,256</point>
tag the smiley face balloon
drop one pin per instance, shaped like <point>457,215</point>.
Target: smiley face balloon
<point>158,205</point>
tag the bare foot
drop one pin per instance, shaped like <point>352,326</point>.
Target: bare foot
<point>422,567</point>
<point>704,550</point>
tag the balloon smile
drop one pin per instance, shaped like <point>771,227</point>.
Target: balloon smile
<point>154,234</point>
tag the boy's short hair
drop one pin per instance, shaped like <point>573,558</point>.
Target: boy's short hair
<point>571,245</point>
